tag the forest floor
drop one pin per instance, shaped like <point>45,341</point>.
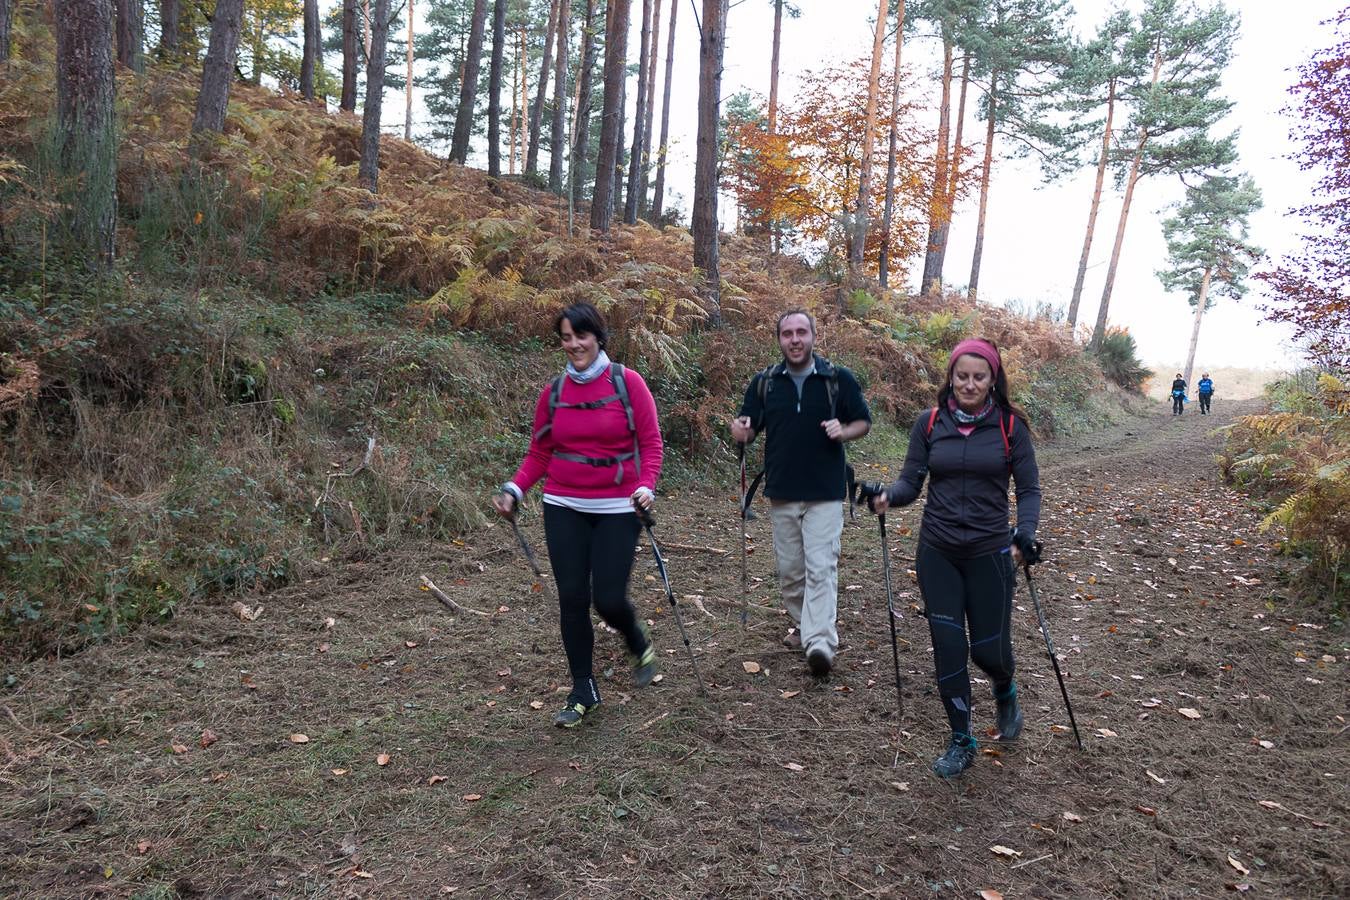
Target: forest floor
<point>1213,714</point>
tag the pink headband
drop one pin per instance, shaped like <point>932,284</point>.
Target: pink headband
<point>977,347</point>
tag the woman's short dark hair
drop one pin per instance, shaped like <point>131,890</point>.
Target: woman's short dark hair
<point>584,319</point>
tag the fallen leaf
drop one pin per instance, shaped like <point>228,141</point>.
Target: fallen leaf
<point>324,647</point>
<point>1270,804</point>
<point>143,847</point>
<point>1189,713</point>
<point>1150,703</point>
<point>788,695</point>
<point>1240,888</point>
<point>1107,733</point>
<point>437,779</point>
<point>1239,866</point>
<point>339,772</point>
<point>245,612</point>
<point>1072,817</point>
<point>298,738</point>
<point>796,767</point>
<point>1150,774</point>
<point>900,785</point>
<point>471,798</point>
<point>502,673</point>
<point>1000,850</point>
<point>178,749</point>
<point>382,759</point>
<point>410,644</point>
<point>990,894</point>
<point>361,873</point>
<point>1266,745</point>
<point>536,704</point>
<point>329,623</point>
<point>751,667</point>
<point>658,679</point>
<point>1146,810</point>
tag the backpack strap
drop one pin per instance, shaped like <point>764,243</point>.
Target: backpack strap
<point>554,400</point>
<point>1005,431</point>
<point>932,418</point>
<point>616,372</point>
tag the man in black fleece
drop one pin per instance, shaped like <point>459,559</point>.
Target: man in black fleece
<point>967,447</point>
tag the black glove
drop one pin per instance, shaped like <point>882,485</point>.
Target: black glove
<point>866,492</point>
<point>1029,548</point>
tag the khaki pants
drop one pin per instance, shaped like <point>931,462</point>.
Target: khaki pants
<point>806,547</point>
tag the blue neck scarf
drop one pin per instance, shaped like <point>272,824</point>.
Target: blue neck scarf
<point>592,372</point>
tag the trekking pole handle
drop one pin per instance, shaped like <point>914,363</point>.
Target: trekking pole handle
<point>644,516</point>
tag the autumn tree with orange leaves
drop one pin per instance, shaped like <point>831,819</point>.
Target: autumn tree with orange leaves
<point>802,181</point>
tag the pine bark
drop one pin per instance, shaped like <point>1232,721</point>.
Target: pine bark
<point>712,45</point>
<point>937,213</point>
<point>630,210</point>
<point>369,170</point>
<point>659,188</point>
<point>170,12</point>
<point>541,91</point>
<point>468,87</point>
<point>6,28</point>
<point>887,216</point>
<point>85,103</point>
<point>1195,328</point>
<point>348,101</point>
<point>558,135</point>
<point>973,290</point>
<point>861,212</point>
<point>218,69</point>
<point>1092,210</point>
<point>581,123</point>
<point>773,65</point>
<point>644,173</point>
<point>131,34</point>
<point>616,61</point>
<point>309,56</point>
<point>408,78</point>
<point>494,135</point>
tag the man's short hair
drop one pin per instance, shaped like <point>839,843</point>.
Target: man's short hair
<point>810,319</point>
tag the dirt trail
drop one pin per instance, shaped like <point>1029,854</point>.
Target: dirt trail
<point>1162,595</point>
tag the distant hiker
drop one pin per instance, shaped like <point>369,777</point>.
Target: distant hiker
<point>969,445</point>
<point>808,408</point>
<point>1205,388</point>
<point>1178,395</point>
<point>597,444</point>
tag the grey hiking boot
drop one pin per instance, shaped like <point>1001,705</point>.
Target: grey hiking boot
<point>1009,715</point>
<point>960,754</point>
<point>645,667</point>
<point>570,715</point>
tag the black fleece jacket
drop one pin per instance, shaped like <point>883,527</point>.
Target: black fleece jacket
<point>966,514</point>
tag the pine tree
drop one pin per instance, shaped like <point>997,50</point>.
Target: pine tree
<point>581,130</point>
<point>494,137</point>
<point>169,16</point>
<point>558,133</point>
<point>369,169</point>
<point>611,135</point>
<point>6,27</point>
<point>1208,248</point>
<point>887,216</point>
<point>86,127</point>
<point>630,211</point>
<point>663,146</point>
<point>860,211</point>
<point>131,34</point>
<point>468,88</point>
<point>310,53</point>
<point>644,170</point>
<point>1021,49</point>
<point>541,91</point>
<point>218,69</point>
<point>712,44</point>
<point>1172,114</point>
<point>349,56</point>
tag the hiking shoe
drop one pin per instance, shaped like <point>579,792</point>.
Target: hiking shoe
<point>793,640</point>
<point>1009,716</point>
<point>644,666</point>
<point>571,715</point>
<point>960,754</point>
<point>819,662</point>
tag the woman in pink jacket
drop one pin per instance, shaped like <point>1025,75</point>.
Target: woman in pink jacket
<point>597,446</point>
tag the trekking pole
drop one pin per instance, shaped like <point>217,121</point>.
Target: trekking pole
<point>1027,560</point>
<point>645,517</point>
<point>866,491</point>
<point>524,544</point>
<point>745,577</point>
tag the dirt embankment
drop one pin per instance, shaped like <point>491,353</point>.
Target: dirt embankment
<point>1212,712</point>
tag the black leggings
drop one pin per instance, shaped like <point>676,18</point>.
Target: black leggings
<point>592,555</point>
<point>959,592</point>
<point>1178,404</point>
<point>1204,402</point>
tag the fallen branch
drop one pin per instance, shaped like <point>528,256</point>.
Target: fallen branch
<point>694,548</point>
<point>737,604</point>
<point>442,596</point>
<point>1027,862</point>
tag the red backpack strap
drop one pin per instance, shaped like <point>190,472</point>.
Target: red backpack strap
<point>932,417</point>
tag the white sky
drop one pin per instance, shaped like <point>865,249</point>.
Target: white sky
<point>1035,231</point>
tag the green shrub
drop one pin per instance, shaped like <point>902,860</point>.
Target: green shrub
<point>1118,357</point>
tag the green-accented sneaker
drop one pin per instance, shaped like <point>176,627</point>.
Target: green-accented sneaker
<point>645,667</point>
<point>570,716</point>
<point>1009,715</point>
<point>960,754</point>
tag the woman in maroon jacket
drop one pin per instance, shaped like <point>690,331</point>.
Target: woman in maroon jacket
<point>968,447</point>
<point>597,446</point>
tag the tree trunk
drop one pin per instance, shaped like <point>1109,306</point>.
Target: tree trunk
<point>869,144</point>
<point>630,210</point>
<point>369,171</point>
<point>621,152</point>
<point>519,101</point>
<point>1195,329</point>
<point>541,91</point>
<point>348,102</point>
<point>659,188</point>
<point>712,43</point>
<point>131,34</point>
<point>884,261</point>
<point>581,122</point>
<point>494,135</point>
<point>644,173</point>
<point>408,80</point>
<point>257,45</point>
<point>170,12</point>
<point>218,69</point>
<point>86,125</point>
<point>310,54</point>
<point>773,64</point>
<point>973,290</point>
<point>468,87</point>
<point>1092,210</point>
<point>6,26</point>
<point>932,262</point>
<point>616,61</point>
<point>558,136</point>
<point>953,177</point>
<point>1099,330</point>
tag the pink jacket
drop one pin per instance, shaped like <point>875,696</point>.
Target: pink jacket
<point>600,432</point>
